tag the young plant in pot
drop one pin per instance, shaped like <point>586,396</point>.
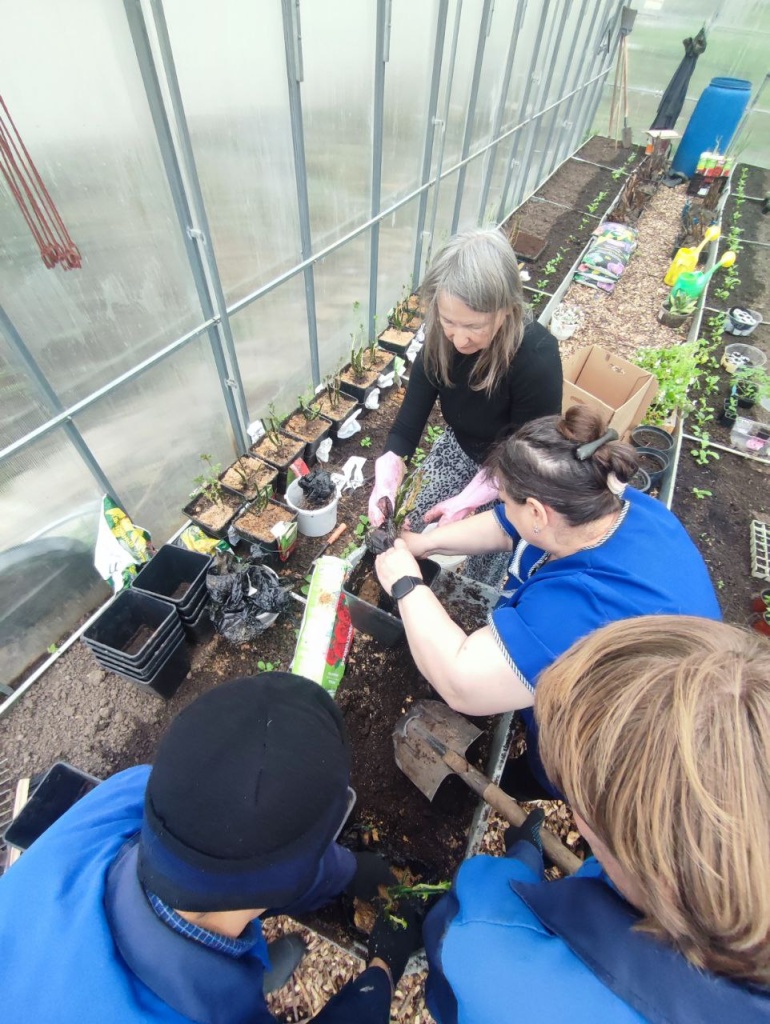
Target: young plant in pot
<point>269,525</point>
<point>211,508</point>
<point>333,404</point>
<point>761,603</point>
<point>247,476</point>
<point>565,320</point>
<point>308,425</point>
<point>277,448</point>
<point>751,384</point>
<point>677,309</point>
<point>366,365</point>
<point>729,410</point>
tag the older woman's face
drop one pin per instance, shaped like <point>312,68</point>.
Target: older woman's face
<point>467,330</point>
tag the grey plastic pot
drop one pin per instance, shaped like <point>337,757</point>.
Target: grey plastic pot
<point>653,457</point>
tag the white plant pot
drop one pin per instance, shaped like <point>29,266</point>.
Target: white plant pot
<point>741,322</point>
<point>563,328</point>
<point>311,522</point>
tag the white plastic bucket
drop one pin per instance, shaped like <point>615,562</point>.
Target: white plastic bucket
<point>311,522</point>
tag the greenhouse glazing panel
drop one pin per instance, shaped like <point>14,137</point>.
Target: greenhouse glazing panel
<point>337,93</point>
<point>395,265</point>
<point>407,84</point>
<point>94,145</point>
<point>23,409</point>
<point>48,530</point>
<point>231,66</point>
<point>342,295</point>
<point>271,342</point>
<point>150,433</point>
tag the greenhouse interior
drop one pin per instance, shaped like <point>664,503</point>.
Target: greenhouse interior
<point>215,216</point>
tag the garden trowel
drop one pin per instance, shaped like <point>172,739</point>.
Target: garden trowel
<point>430,743</point>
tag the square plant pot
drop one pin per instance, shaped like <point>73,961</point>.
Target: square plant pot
<point>377,616</point>
<point>280,458</point>
<point>395,340</point>
<point>361,388</point>
<point>256,528</point>
<point>213,517</point>
<point>312,432</point>
<point>59,789</point>
<point>176,574</point>
<point>133,627</point>
<point>247,476</point>
<point>345,407</point>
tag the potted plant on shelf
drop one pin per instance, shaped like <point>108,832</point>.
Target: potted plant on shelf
<point>269,525</point>
<point>211,508</point>
<point>677,309</point>
<point>277,448</point>
<point>366,365</point>
<point>751,384</point>
<point>247,476</point>
<point>308,425</point>
<point>403,321</point>
<point>729,410</point>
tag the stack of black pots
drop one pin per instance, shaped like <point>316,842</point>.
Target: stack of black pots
<point>178,575</point>
<point>141,638</point>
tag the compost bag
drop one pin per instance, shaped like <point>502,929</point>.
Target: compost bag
<point>246,598</point>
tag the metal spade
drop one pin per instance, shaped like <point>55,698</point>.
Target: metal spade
<point>430,741</point>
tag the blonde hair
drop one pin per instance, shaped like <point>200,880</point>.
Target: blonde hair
<point>658,731</point>
<point>479,268</point>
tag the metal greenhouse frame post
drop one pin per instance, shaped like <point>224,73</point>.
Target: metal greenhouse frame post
<point>193,230</point>
<point>470,116</point>
<point>430,131</point>
<point>500,113</point>
<point>52,401</point>
<point>381,57</point>
<point>295,74</point>
<point>591,105</point>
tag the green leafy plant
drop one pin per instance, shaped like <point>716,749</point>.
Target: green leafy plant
<point>593,206</point>
<point>751,383</point>
<point>676,370</point>
<point>261,499</point>
<point>366,442</point>
<point>701,493</point>
<point>361,526</point>
<point>680,302</point>
<point>704,451</point>
<point>434,433</point>
<point>623,169</point>
<point>306,406</point>
<point>268,666</point>
<point>207,483</point>
<point>52,648</point>
<point>419,891</point>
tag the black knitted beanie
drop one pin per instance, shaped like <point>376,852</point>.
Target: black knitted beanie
<point>248,789</point>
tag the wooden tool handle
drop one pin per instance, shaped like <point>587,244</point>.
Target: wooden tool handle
<point>336,533</point>
<point>513,813</point>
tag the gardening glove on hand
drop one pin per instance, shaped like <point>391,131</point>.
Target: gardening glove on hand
<point>479,491</point>
<point>527,832</point>
<point>372,871</point>
<point>389,471</point>
<point>395,938</point>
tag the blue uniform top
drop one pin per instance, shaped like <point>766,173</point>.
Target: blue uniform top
<point>647,566</point>
<point>81,944</point>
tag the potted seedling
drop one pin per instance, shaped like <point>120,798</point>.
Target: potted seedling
<point>361,376</point>
<point>269,525</point>
<point>677,309</point>
<point>751,384</point>
<point>277,448</point>
<point>334,405</point>
<point>729,410</point>
<point>308,425</point>
<point>211,508</point>
<point>247,476</point>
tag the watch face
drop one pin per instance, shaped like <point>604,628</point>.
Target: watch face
<point>404,586</point>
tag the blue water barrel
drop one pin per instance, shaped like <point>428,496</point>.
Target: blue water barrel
<point>713,122</point>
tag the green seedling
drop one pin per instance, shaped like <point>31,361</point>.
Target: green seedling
<point>272,425</point>
<point>366,442</point>
<point>52,648</point>
<point>361,527</point>
<point>701,493</point>
<point>208,483</point>
<point>268,666</point>
<point>420,891</point>
<point>306,407</point>
<point>434,433</point>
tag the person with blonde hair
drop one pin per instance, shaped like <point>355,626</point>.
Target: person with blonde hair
<point>658,731</point>
<point>584,550</point>
<point>492,369</point>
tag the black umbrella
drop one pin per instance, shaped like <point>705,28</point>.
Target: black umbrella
<point>673,98</point>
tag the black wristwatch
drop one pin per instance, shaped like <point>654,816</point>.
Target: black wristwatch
<point>405,586</point>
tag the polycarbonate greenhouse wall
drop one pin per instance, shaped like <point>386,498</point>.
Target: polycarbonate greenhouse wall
<point>247,181</point>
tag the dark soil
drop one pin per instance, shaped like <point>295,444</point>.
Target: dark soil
<point>344,406</point>
<point>650,439</point>
<point>258,525</point>
<point>180,591</point>
<point>575,185</point>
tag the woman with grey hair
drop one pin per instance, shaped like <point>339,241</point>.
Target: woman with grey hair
<point>492,368</point>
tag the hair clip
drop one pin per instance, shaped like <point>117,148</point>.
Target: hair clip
<point>585,451</point>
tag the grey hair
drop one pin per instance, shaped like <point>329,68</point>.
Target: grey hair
<point>479,268</point>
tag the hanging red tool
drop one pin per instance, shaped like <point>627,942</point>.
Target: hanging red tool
<point>33,198</point>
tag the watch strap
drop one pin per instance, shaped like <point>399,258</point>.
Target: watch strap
<point>405,585</point>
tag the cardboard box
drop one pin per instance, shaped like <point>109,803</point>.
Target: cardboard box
<point>620,391</point>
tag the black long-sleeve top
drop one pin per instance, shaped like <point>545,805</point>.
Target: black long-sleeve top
<point>531,388</point>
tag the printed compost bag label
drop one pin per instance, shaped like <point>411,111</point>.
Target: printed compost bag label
<point>326,631</point>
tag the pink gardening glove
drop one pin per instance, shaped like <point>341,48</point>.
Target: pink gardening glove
<point>389,471</point>
<point>478,492</point>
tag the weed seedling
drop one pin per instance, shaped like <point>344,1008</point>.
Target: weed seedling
<point>701,493</point>
<point>366,442</point>
<point>361,527</point>
<point>268,666</point>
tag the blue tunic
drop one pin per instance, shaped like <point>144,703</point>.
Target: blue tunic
<point>647,566</point>
<point>80,944</point>
<point>508,947</point>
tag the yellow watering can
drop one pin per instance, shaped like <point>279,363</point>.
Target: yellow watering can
<point>686,260</point>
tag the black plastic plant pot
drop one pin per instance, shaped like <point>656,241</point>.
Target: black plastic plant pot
<point>149,665</point>
<point>747,396</point>
<point>396,340</point>
<point>295,450</point>
<point>647,436</point>
<point>381,623</point>
<point>640,481</point>
<point>169,676</point>
<point>311,447</point>
<point>133,626</point>
<point>271,551</point>
<point>729,413</point>
<point>229,506</point>
<point>200,629</point>
<point>360,393</point>
<point>247,491</point>
<point>176,574</point>
<point>59,789</point>
<point>654,462</point>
